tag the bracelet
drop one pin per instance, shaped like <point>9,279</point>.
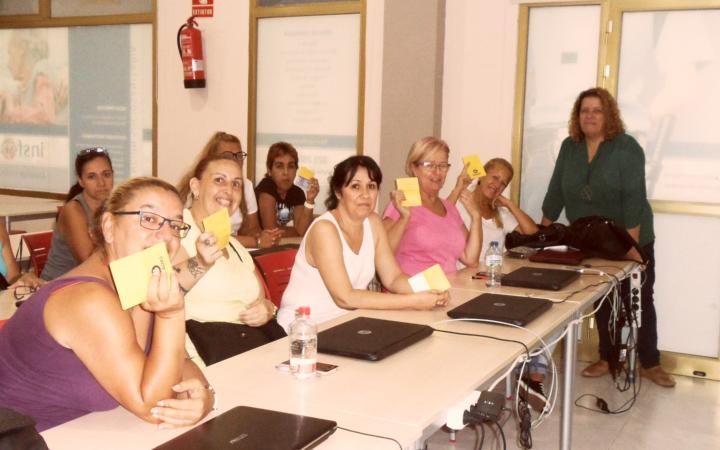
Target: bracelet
<point>215,398</point>
<point>309,205</point>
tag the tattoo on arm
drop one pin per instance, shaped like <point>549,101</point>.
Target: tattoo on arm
<point>194,267</point>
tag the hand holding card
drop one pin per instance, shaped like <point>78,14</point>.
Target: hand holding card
<point>218,224</point>
<point>304,177</point>
<point>132,274</point>
<point>475,167</point>
<point>411,190</point>
<point>431,278</point>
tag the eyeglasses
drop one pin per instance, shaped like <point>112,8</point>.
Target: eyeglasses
<point>240,156</point>
<point>20,292</point>
<point>152,221</point>
<point>93,151</point>
<point>431,166</point>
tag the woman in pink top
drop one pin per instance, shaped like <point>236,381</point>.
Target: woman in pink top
<point>432,233</point>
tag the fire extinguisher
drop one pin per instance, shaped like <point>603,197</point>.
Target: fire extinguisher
<point>189,42</point>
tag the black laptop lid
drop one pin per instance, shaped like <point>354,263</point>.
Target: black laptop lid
<point>248,428</point>
<point>371,339</point>
<point>540,278</point>
<point>502,308</point>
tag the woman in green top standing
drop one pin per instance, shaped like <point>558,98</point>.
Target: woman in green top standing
<point>601,171</point>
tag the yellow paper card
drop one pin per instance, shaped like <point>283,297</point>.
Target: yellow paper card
<point>305,173</point>
<point>436,278</point>
<point>131,274</point>
<point>475,169</point>
<point>219,224</point>
<point>431,278</point>
<point>411,189</point>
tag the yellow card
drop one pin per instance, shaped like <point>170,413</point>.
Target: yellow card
<point>219,224</point>
<point>475,169</point>
<point>411,189</point>
<point>431,278</point>
<point>305,173</point>
<point>131,274</point>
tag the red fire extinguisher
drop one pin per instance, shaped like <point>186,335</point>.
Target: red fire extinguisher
<point>189,42</point>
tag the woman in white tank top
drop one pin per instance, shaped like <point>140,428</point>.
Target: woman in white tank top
<point>344,248</point>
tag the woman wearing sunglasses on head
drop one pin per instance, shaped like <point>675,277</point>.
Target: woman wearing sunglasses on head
<point>433,232</point>
<point>244,222</point>
<point>72,240</point>
<point>71,349</point>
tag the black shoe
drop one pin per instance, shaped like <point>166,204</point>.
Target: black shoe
<point>534,393</point>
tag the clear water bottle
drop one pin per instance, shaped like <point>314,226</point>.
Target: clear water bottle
<point>303,344</point>
<point>493,261</point>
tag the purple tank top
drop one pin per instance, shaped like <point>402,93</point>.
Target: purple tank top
<point>38,376</point>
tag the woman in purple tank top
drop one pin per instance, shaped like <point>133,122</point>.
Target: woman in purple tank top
<point>132,357</point>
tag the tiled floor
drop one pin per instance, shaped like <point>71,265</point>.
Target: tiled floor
<point>684,417</point>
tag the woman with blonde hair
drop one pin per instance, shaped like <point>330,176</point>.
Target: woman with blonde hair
<point>244,222</point>
<point>433,232</point>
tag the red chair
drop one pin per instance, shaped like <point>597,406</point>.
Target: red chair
<point>38,244</point>
<point>275,265</point>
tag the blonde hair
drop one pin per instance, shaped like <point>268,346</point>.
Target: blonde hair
<point>210,149</point>
<point>421,148</point>
<point>122,195</point>
<point>503,164</point>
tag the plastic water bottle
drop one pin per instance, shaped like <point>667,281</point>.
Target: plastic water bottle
<point>493,261</point>
<point>303,344</point>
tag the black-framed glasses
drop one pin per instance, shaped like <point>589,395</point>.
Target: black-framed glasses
<point>22,292</point>
<point>151,221</point>
<point>93,151</point>
<point>240,156</point>
<point>429,165</point>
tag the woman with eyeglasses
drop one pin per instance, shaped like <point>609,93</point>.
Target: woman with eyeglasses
<point>282,204</point>
<point>244,222</point>
<point>71,349</point>
<point>431,233</point>
<point>230,292</point>
<point>72,241</point>
<point>344,249</point>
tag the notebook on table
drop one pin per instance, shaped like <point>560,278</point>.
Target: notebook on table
<point>568,258</point>
<point>370,339</point>
<point>540,278</point>
<point>511,309</point>
<point>244,427</point>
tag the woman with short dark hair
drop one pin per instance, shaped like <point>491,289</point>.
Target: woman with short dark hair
<point>342,251</point>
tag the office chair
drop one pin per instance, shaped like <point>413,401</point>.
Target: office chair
<point>275,265</point>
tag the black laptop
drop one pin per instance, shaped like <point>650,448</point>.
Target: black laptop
<point>502,308</point>
<point>540,278</point>
<point>248,428</point>
<point>370,339</point>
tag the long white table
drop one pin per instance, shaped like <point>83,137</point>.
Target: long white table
<point>405,396</point>
<point>26,208</point>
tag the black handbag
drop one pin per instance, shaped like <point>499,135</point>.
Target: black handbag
<point>17,431</point>
<point>600,237</point>
<point>547,236</point>
<point>217,341</point>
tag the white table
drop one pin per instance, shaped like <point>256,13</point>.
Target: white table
<point>405,396</point>
<point>26,208</point>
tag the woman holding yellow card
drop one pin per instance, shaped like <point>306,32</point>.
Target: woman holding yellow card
<point>344,249</point>
<point>72,349</point>
<point>229,300</point>
<point>431,231</point>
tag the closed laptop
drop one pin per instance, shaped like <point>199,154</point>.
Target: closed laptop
<point>370,339</point>
<point>245,428</point>
<point>540,278</point>
<point>511,309</point>
<point>568,258</point>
